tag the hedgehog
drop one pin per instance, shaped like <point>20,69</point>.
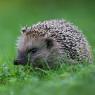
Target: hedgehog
<point>52,40</point>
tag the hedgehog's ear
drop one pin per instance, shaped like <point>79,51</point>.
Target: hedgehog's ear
<point>49,43</point>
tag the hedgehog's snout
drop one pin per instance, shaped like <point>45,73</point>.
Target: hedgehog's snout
<point>19,62</point>
<point>21,59</point>
<point>16,62</point>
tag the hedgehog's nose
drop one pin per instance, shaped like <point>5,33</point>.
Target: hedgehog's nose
<point>18,62</point>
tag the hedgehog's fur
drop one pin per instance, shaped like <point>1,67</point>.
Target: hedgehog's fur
<point>72,43</point>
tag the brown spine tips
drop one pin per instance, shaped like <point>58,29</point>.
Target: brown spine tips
<point>23,29</point>
<point>26,29</point>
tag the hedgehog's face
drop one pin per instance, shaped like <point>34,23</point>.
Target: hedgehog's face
<point>35,51</point>
<point>40,52</point>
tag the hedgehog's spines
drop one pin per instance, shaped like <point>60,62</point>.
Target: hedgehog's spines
<point>69,37</point>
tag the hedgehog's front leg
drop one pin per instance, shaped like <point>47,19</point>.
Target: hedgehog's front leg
<point>22,58</point>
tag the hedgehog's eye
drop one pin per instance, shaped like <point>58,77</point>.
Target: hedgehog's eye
<point>33,50</point>
<point>49,43</point>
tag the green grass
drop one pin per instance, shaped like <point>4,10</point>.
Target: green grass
<point>68,80</point>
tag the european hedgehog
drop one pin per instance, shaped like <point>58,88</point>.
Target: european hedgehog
<point>50,40</point>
